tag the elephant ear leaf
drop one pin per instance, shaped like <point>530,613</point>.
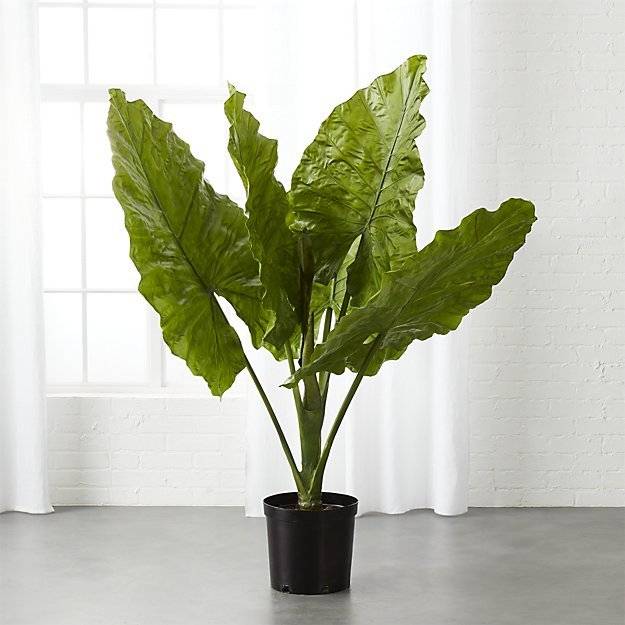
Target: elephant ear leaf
<point>358,180</point>
<point>189,244</point>
<point>273,244</point>
<point>431,293</point>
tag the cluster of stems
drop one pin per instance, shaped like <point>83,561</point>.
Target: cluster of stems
<point>311,407</point>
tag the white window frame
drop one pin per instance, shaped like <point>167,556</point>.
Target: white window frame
<point>153,93</point>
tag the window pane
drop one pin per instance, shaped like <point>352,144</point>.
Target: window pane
<point>61,45</point>
<point>117,333</point>
<point>61,244</point>
<point>63,328</point>
<point>179,378</point>
<point>177,375</point>
<point>204,127</point>
<point>187,46</point>
<point>120,46</point>
<point>98,166</point>
<point>60,147</point>
<point>241,41</point>
<point>108,263</point>
<point>328,68</point>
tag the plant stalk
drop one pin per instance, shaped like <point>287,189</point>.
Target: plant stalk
<point>285,444</point>
<point>324,376</point>
<point>344,305</point>
<point>297,397</point>
<point>319,470</point>
<point>310,425</point>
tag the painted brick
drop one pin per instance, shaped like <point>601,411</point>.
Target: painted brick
<point>81,477</point>
<point>80,460</point>
<point>137,442</point>
<point>146,450</point>
<point>547,497</point>
<point>558,120</point>
<point>138,478</point>
<point>194,442</point>
<point>191,478</point>
<point>90,496</point>
<point>167,460</point>
<point>124,460</point>
<point>165,496</point>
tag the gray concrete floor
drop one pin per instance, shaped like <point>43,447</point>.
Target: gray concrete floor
<point>182,566</point>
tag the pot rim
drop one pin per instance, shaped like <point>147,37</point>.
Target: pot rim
<point>274,507</point>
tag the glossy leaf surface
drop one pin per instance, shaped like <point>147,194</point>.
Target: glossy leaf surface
<point>359,178</point>
<point>274,245</point>
<point>189,244</point>
<point>432,292</point>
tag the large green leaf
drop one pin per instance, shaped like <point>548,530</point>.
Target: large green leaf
<point>189,244</point>
<point>432,292</point>
<point>359,179</point>
<point>274,245</point>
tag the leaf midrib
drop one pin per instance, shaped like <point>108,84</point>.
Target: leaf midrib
<point>209,290</point>
<point>390,154</point>
<point>465,257</point>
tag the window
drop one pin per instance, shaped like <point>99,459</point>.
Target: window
<point>100,334</point>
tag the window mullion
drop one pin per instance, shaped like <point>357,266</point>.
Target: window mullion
<point>87,92</point>
<point>83,248</point>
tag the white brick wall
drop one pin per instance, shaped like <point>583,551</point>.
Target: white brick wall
<point>146,451</point>
<point>547,375</point>
<point>547,372</point>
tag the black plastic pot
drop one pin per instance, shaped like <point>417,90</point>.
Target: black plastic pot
<point>310,552</point>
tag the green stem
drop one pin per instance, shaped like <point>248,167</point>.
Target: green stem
<point>310,423</point>
<point>274,419</point>
<point>318,475</point>
<point>312,393</point>
<point>285,444</point>
<point>296,392</point>
<point>344,305</point>
<point>327,323</point>
<point>324,376</point>
<point>324,392</point>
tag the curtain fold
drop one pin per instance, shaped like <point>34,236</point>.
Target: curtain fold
<point>23,457</point>
<point>404,442</point>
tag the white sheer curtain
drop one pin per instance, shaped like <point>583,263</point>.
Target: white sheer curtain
<point>23,479</point>
<point>404,443</point>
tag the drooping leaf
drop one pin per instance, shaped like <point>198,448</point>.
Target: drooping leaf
<point>432,292</point>
<point>359,178</point>
<point>189,244</point>
<point>274,245</point>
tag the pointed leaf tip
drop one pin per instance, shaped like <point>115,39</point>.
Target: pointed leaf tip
<point>273,244</point>
<point>197,244</point>
<point>116,92</point>
<point>359,178</point>
<point>432,292</point>
<point>290,382</point>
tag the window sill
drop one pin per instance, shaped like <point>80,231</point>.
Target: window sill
<point>138,395</point>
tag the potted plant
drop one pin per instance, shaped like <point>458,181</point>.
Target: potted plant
<point>326,276</point>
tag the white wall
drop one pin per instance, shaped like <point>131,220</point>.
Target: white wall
<point>547,372</point>
<point>147,450</point>
<point>547,368</point>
